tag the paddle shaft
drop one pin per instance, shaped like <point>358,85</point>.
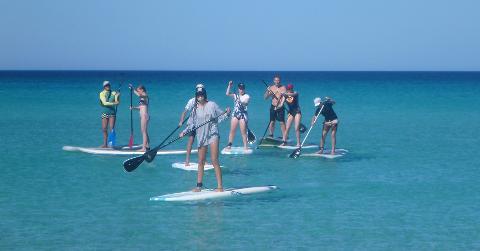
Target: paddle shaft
<point>179,137</point>
<point>131,111</point>
<point>314,121</point>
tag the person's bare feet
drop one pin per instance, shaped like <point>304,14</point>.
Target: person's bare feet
<point>103,146</point>
<point>197,189</point>
<point>220,189</point>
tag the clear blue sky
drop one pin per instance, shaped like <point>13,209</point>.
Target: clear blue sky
<point>240,35</point>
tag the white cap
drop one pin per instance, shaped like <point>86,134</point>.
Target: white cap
<point>200,85</point>
<point>106,82</point>
<point>317,101</point>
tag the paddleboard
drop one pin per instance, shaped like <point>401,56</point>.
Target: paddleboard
<point>288,147</point>
<point>237,150</point>
<point>271,142</point>
<point>110,151</point>
<point>192,167</point>
<point>327,154</point>
<point>206,194</point>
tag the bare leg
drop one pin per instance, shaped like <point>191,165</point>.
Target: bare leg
<point>233,128</point>
<point>243,130</point>
<point>189,149</point>
<point>104,131</point>
<point>298,118</point>
<point>202,152</point>
<point>283,128</point>
<point>334,137</point>
<point>272,127</point>
<point>112,122</point>
<point>216,165</point>
<point>144,127</point>
<point>287,129</point>
<point>324,134</point>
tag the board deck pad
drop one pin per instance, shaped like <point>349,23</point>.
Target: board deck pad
<point>110,151</point>
<point>206,194</point>
<point>271,142</point>
<point>293,147</point>
<point>237,150</point>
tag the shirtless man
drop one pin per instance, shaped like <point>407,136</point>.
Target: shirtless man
<point>277,111</point>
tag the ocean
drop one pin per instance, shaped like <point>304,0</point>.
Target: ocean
<point>410,180</point>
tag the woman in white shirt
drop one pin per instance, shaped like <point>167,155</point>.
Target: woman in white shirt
<point>239,113</point>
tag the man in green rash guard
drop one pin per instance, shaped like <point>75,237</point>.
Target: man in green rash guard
<point>108,100</point>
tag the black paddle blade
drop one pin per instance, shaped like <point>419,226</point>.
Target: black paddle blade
<point>302,128</point>
<point>296,153</point>
<point>150,155</point>
<point>251,137</point>
<point>132,163</point>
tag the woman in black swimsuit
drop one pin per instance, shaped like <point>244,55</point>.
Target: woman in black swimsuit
<point>331,121</point>
<point>291,99</point>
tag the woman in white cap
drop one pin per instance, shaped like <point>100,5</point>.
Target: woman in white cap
<point>239,113</point>
<point>108,100</point>
<point>207,136</point>
<point>189,107</point>
<point>141,92</point>
<point>331,121</point>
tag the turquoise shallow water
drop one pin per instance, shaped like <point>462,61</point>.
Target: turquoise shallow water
<point>409,182</point>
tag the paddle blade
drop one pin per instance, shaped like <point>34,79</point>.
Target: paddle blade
<point>130,142</point>
<point>295,154</point>
<point>302,128</point>
<point>111,138</point>
<point>132,163</point>
<point>150,155</point>
<point>251,137</point>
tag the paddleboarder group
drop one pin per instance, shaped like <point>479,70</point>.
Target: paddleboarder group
<point>201,117</point>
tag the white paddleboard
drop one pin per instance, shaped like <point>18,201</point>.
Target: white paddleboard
<point>192,167</point>
<point>288,147</point>
<point>237,150</point>
<point>327,154</point>
<point>211,194</point>
<point>110,151</point>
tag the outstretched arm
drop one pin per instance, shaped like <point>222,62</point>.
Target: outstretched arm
<point>230,83</point>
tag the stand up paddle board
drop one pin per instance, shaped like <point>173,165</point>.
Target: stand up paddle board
<point>237,150</point>
<point>211,194</point>
<point>272,142</point>
<point>327,154</point>
<point>110,151</point>
<point>192,166</point>
<point>290,147</point>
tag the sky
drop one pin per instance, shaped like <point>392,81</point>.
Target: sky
<point>335,35</point>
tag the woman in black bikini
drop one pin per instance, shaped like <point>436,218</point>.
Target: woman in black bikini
<point>294,113</point>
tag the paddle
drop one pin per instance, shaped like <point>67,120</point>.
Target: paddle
<point>295,154</point>
<point>149,158</point>
<point>302,128</point>
<point>132,163</point>
<point>130,142</point>
<point>112,136</point>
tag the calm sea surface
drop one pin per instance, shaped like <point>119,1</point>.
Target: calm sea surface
<point>409,182</point>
